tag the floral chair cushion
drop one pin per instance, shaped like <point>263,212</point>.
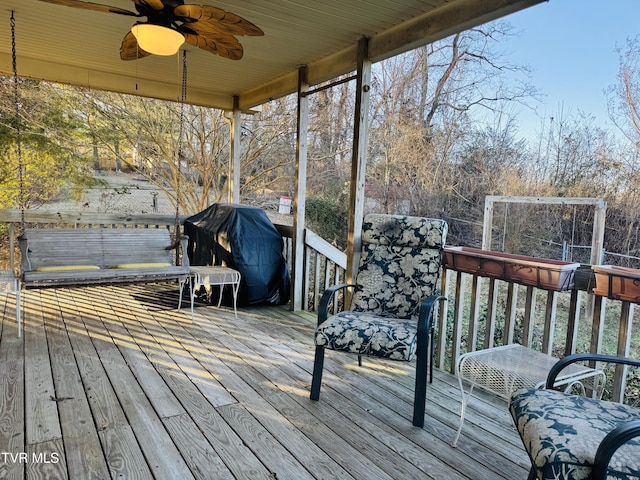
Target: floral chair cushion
<point>399,268</point>
<point>561,433</point>
<point>367,334</point>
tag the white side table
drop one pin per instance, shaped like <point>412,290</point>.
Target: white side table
<point>10,284</point>
<point>213,275</point>
<point>503,370</point>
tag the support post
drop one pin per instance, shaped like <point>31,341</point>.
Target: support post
<point>233,192</point>
<point>297,274</point>
<point>358,159</point>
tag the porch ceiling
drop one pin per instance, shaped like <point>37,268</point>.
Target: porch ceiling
<point>81,47</point>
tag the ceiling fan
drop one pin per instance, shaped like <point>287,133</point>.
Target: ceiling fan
<point>171,22</point>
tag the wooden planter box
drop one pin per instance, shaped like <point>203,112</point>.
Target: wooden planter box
<point>537,272</point>
<point>620,283</point>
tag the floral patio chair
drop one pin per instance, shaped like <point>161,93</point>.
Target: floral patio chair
<point>572,437</point>
<point>393,299</point>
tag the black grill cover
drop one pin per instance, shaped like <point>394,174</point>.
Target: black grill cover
<point>243,238</point>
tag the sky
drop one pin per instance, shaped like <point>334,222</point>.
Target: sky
<point>571,48</point>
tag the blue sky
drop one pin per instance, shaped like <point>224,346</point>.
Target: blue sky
<point>570,45</point>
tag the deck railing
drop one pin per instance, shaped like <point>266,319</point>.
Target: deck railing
<point>479,312</point>
<point>483,312</point>
<point>324,265</point>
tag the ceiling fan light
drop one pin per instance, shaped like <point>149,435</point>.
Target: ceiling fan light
<point>157,39</point>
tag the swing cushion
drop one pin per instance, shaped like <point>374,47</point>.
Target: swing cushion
<point>65,268</point>
<point>142,265</point>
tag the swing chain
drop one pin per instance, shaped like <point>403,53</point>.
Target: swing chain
<point>183,97</point>
<point>16,99</point>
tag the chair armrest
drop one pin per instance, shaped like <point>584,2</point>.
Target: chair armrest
<point>426,313</point>
<point>323,308</point>
<point>577,357</point>
<point>184,258</point>
<point>25,263</point>
<point>181,243</point>
<point>610,444</point>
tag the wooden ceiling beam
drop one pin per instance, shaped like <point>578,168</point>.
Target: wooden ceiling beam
<point>447,20</point>
<point>452,18</point>
<point>37,69</point>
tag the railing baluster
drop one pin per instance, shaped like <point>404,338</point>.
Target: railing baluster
<point>510,314</point>
<point>307,279</point>
<point>490,328</point>
<point>441,324</point>
<point>597,329</point>
<point>529,316</point>
<point>624,342</point>
<point>571,340</point>
<point>549,322</point>
<point>340,297</point>
<point>327,273</point>
<point>458,317</point>
<point>316,283</point>
<point>474,314</point>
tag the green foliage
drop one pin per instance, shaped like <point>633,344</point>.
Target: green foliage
<point>632,386</point>
<point>329,219</point>
<point>48,169</point>
<point>51,138</point>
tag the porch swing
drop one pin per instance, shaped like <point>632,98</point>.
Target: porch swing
<point>65,257</point>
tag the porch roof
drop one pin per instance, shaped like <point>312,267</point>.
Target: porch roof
<point>81,47</point>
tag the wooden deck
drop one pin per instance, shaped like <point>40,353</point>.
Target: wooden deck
<point>114,382</point>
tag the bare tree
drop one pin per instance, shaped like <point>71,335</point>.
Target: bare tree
<point>189,161</point>
<point>422,113</point>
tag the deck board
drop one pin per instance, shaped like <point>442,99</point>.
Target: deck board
<point>114,382</point>
<point>12,408</point>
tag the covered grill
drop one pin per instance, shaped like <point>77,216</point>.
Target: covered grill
<point>243,238</point>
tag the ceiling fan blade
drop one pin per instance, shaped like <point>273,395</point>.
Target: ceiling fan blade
<point>206,19</point>
<point>129,50</point>
<point>91,6</point>
<point>153,4</point>
<point>226,46</point>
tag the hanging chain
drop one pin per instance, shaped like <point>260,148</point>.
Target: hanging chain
<point>183,97</point>
<point>16,99</point>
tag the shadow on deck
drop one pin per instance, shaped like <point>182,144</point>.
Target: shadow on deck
<point>114,382</point>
